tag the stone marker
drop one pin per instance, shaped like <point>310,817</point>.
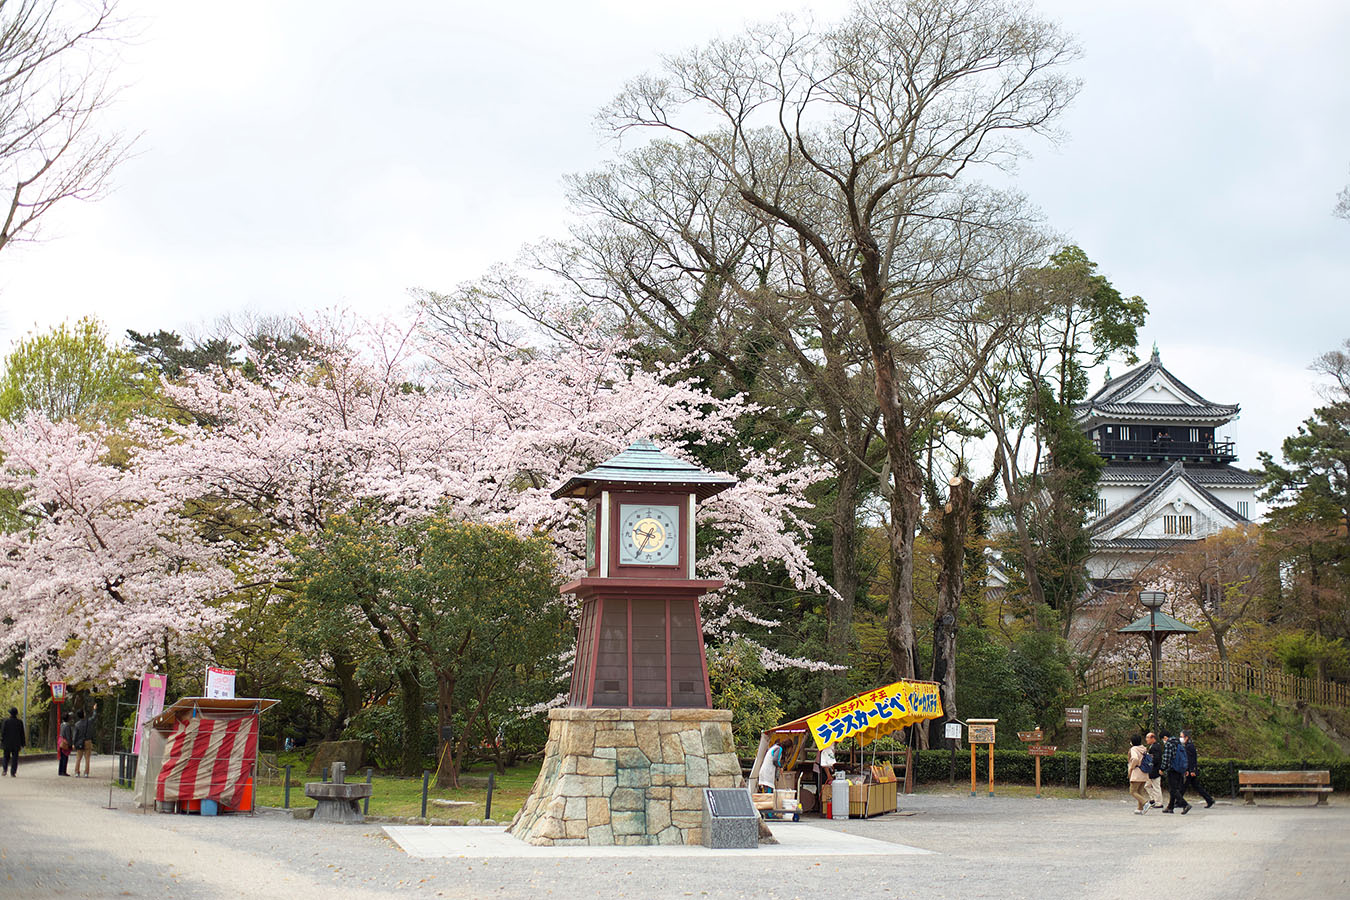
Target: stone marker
<point>730,820</point>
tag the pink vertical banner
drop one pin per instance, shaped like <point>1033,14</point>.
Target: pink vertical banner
<point>153,689</point>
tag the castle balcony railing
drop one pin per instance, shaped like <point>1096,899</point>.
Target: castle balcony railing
<point>1164,450</point>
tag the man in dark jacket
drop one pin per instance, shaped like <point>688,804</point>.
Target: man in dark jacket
<point>1174,767</point>
<point>12,739</point>
<point>84,740</point>
<point>1192,769</point>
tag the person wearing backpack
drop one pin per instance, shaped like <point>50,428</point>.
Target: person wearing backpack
<point>1137,776</point>
<point>1175,762</point>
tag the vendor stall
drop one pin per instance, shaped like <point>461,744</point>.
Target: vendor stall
<point>873,789</point>
<point>200,754</point>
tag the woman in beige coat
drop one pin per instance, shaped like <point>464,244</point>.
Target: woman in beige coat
<point>1138,777</point>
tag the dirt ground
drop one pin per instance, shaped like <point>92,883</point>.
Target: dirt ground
<point>59,839</point>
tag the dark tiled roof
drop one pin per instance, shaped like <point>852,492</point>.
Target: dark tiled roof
<point>1208,476</point>
<point>1173,473</point>
<point>1101,403</point>
<point>1140,544</point>
<point>644,463</point>
<point>1165,412</point>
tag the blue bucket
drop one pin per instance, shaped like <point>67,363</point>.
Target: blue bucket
<point>209,807</point>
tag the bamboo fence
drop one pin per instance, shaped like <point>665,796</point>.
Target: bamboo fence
<point>1217,676</point>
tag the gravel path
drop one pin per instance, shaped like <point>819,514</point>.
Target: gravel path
<point>59,840</point>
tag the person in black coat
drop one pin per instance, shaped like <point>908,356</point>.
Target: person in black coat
<point>66,740</point>
<point>1193,770</point>
<point>12,739</point>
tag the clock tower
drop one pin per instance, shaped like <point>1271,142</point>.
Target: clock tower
<point>640,638</point>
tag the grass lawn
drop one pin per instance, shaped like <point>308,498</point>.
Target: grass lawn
<point>398,796</point>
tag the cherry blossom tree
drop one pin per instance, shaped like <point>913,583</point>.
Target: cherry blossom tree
<point>106,573</point>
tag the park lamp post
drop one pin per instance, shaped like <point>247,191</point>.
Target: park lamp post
<point>1152,600</point>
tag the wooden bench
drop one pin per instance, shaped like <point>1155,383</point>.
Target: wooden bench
<point>1309,781</point>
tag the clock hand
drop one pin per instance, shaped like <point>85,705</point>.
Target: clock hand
<point>649,537</point>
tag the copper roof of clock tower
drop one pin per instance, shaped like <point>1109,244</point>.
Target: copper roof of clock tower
<point>642,463</point>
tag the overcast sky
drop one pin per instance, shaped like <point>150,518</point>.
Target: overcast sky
<point>301,155</point>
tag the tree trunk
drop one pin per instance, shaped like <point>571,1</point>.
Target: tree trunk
<point>905,498</point>
<point>951,583</point>
<point>410,688</point>
<point>839,609</point>
<point>447,760</point>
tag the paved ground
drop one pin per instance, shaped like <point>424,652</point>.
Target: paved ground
<point>57,839</point>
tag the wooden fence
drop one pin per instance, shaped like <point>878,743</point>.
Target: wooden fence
<point>1217,676</point>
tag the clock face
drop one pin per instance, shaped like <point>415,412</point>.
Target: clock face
<point>649,535</point>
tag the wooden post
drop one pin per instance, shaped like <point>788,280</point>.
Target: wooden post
<point>972,770</point>
<point>1038,775</point>
<point>991,770</point>
<point>1082,758</point>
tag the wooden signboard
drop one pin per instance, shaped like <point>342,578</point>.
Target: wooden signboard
<point>981,731</point>
<point>1073,716</point>
<point>1042,750</point>
<point>1031,737</point>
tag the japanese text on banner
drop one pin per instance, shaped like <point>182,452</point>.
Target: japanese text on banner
<point>876,713</point>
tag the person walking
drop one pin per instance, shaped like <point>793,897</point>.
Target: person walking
<point>13,739</point>
<point>1138,778</point>
<point>64,742</point>
<point>1193,769</point>
<point>1174,764</point>
<point>84,740</point>
<point>1155,752</point>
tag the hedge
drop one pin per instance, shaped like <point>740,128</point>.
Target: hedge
<point>1104,769</point>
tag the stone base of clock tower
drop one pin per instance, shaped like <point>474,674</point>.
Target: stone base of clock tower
<point>628,776</point>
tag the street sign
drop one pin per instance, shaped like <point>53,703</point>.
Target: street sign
<point>1042,750</point>
<point>58,691</point>
<point>953,731</point>
<point>1031,737</point>
<point>1096,732</point>
<point>1073,716</point>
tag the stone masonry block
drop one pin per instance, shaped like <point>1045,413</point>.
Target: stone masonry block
<point>724,764</point>
<point>632,758</point>
<point>600,835</point>
<point>692,739</point>
<point>615,738</point>
<point>658,815</point>
<point>597,811</point>
<point>635,778</point>
<point>589,765</point>
<point>576,809</point>
<point>629,822</point>
<point>625,799</point>
<point>696,771</point>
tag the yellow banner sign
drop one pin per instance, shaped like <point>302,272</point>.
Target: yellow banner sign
<point>876,713</point>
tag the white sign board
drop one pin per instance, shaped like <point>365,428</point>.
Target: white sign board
<point>953,731</point>
<point>220,683</point>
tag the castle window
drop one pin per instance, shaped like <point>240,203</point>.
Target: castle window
<point>1194,435</point>
<point>1243,508</point>
<point>1176,524</point>
<point>1100,507</point>
<point>1124,432</point>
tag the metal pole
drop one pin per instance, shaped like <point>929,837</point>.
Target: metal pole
<point>492,778</point>
<point>286,797</point>
<point>26,733</point>
<point>1153,654</point>
<point>425,776</point>
<point>365,807</point>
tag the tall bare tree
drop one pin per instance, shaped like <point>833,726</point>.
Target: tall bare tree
<point>55,57</point>
<point>857,139</point>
